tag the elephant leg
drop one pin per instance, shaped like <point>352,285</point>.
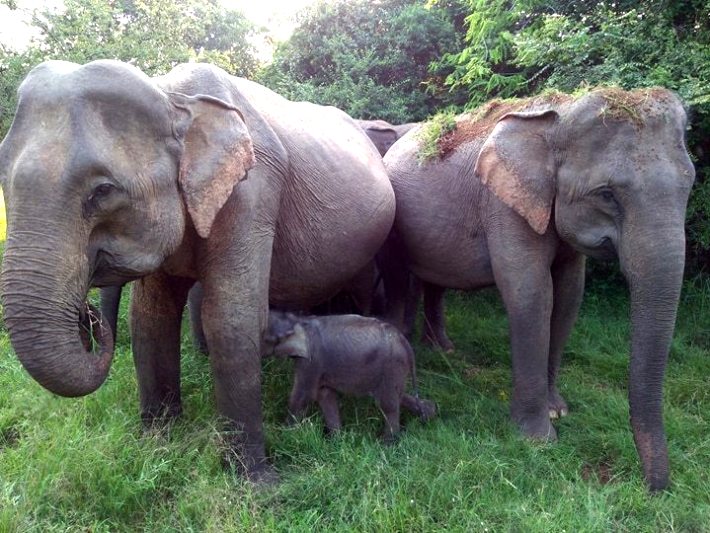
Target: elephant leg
<point>389,402</point>
<point>362,288</point>
<point>568,289</point>
<point>299,399</point>
<point>395,278</point>
<point>156,314</point>
<point>522,274</point>
<point>328,402</point>
<point>424,409</point>
<point>110,302</point>
<point>411,304</point>
<point>195,305</point>
<point>234,315</point>
<point>435,319</point>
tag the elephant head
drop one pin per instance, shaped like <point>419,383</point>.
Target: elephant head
<point>103,173</point>
<point>383,134</point>
<point>286,337</point>
<point>610,173</point>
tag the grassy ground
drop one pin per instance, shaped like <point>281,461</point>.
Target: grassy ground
<point>84,464</point>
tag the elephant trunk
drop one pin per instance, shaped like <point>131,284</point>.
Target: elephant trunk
<point>655,280</point>
<point>58,337</point>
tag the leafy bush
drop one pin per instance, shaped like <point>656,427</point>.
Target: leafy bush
<point>370,59</point>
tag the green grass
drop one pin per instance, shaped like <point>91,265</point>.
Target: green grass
<point>85,465</point>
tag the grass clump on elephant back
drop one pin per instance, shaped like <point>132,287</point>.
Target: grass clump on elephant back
<point>438,141</point>
<point>432,132</point>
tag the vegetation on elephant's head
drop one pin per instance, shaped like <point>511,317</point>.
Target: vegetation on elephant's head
<point>635,105</point>
<point>445,132</point>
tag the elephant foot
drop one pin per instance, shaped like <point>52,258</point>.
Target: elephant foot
<point>263,477</point>
<point>331,432</point>
<point>438,342</point>
<point>556,404</point>
<point>427,410</point>
<point>389,439</point>
<point>160,417</point>
<point>262,474</point>
<point>537,427</point>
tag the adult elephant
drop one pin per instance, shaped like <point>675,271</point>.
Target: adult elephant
<point>383,134</point>
<point>111,176</point>
<point>359,295</point>
<point>520,195</point>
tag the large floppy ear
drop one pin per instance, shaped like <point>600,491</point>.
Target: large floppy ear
<point>217,152</point>
<point>518,166</point>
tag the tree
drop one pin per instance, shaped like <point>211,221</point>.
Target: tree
<point>370,58</point>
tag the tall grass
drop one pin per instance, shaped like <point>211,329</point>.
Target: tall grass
<point>85,464</point>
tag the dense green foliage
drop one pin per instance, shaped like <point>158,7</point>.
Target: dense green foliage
<point>154,35</point>
<point>84,465</point>
<point>368,58</point>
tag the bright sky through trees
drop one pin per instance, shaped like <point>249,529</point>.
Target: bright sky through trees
<point>275,15</point>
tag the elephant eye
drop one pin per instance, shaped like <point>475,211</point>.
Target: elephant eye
<point>606,194</point>
<point>101,191</point>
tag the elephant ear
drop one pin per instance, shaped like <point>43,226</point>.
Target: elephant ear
<point>518,166</point>
<point>295,345</point>
<point>217,152</point>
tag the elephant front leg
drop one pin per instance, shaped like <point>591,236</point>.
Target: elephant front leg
<point>156,313</point>
<point>522,274</point>
<point>233,318</point>
<point>568,289</point>
<point>328,402</point>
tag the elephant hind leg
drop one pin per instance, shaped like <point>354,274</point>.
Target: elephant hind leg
<point>389,403</point>
<point>434,318</point>
<point>424,409</point>
<point>195,305</point>
<point>328,402</point>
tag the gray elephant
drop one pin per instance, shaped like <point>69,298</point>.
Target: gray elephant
<point>111,176</point>
<point>522,192</point>
<point>383,134</point>
<point>350,354</point>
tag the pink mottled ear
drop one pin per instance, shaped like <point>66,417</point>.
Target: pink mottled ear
<point>517,165</point>
<point>217,153</point>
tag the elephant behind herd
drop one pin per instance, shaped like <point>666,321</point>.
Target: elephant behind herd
<point>197,176</point>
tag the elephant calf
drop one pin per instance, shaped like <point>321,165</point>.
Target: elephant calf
<point>349,354</point>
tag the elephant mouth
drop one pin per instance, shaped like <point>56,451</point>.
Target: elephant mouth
<point>602,250</point>
<point>107,273</point>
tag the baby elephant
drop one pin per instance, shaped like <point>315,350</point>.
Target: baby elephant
<point>349,354</point>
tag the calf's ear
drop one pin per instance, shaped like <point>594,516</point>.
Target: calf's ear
<point>295,345</point>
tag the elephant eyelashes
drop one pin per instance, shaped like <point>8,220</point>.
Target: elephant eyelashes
<point>100,191</point>
<point>607,195</point>
<point>99,199</point>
